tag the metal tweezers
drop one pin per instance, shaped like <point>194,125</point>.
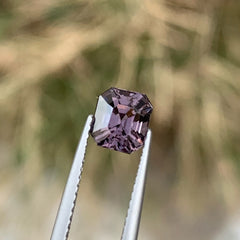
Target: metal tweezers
<point>65,212</point>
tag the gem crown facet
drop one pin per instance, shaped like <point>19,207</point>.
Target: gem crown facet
<point>121,120</point>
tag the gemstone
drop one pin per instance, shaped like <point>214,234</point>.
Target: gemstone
<point>121,120</point>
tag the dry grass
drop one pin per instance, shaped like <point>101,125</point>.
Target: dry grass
<point>56,57</point>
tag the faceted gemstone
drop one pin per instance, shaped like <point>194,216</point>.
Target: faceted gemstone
<point>121,120</point>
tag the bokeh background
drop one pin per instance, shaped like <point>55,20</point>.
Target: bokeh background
<point>56,57</point>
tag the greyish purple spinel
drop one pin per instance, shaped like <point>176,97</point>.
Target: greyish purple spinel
<point>121,120</point>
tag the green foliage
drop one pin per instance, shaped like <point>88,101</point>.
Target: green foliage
<point>57,57</point>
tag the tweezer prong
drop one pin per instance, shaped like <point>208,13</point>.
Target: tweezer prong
<point>130,230</point>
<point>65,212</point>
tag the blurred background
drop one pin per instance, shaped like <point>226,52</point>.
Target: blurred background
<point>56,57</point>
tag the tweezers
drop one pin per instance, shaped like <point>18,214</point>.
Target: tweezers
<point>66,209</point>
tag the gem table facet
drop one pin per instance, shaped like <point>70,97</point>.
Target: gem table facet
<point>121,120</point>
